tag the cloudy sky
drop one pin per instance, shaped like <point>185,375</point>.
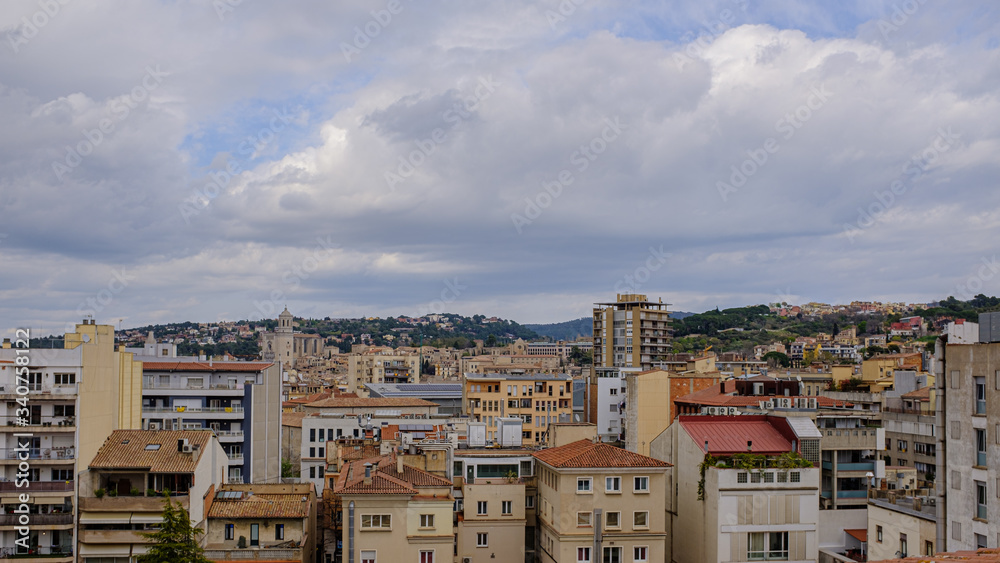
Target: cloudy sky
<point>218,159</point>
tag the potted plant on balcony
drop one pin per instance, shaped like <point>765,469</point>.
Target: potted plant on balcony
<point>99,493</point>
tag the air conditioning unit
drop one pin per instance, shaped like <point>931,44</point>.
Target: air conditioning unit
<point>784,402</point>
<point>187,448</point>
<point>813,403</point>
<point>154,426</point>
<point>466,560</point>
<point>769,405</point>
<point>734,410</point>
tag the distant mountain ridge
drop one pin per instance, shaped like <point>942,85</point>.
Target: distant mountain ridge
<point>584,326</point>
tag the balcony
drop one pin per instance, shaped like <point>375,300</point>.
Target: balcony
<point>196,412</point>
<point>219,390</point>
<point>56,393</point>
<point>130,503</point>
<point>262,554</point>
<point>38,426</point>
<point>230,435</point>
<point>14,455</point>
<point>852,438</point>
<point>235,459</point>
<point>35,520</point>
<point>110,536</point>
<point>53,554</point>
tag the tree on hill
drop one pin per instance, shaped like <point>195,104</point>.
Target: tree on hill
<point>777,359</point>
<point>176,540</point>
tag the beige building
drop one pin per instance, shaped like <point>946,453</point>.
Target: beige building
<point>393,512</point>
<point>631,332</point>
<point>286,347</point>
<point>381,365</point>
<point>122,492</point>
<point>741,511</point>
<point>538,400</point>
<point>598,502</point>
<point>900,526</point>
<point>491,527</point>
<point>86,385</point>
<point>266,522</point>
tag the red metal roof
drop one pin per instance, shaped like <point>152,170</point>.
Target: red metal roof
<point>860,535</point>
<point>729,434</point>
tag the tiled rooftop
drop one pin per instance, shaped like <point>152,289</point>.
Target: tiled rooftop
<point>206,366</point>
<point>385,479</point>
<point>134,449</point>
<point>584,453</point>
<point>261,506</point>
<point>729,434</point>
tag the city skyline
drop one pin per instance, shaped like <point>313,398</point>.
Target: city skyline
<point>219,160</point>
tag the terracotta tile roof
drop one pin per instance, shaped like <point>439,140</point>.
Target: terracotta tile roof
<point>261,506</point>
<point>729,434</point>
<point>292,419</point>
<point>860,535</point>
<point>584,453</point>
<point>354,453</point>
<point>354,402</point>
<point>385,479</point>
<point>205,366</point>
<point>311,398</point>
<point>923,394</point>
<point>991,555</point>
<point>126,449</point>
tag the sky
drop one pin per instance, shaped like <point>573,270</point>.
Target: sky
<point>210,160</point>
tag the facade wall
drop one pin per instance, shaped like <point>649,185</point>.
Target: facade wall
<point>895,524</point>
<point>505,532</point>
<point>538,402</point>
<point>395,544</point>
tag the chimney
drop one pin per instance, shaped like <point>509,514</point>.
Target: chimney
<point>399,465</point>
<point>749,445</point>
<point>6,342</point>
<point>368,474</point>
<point>706,446</point>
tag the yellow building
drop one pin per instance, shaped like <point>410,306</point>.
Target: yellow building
<point>538,400</point>
<point>276,520</point>
<point>631,332</point>
<point>584,483</point>
<point>491,526</point>
<point>381,365</point>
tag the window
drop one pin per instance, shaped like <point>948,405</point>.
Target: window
<point>368,556</point>
<point>64,378</point>
<point>254,535</point>
<point>312,435</point>
<point>506,507</point>
<point>230,531</point>
<point>796,477</point>
<point>901,445</point>
<point>583,555</point>
<point>980,395</point>
<point>426,556</point>
<point>481,507</point>
<point>613,484</point>
<point>980,541</point>
<point>426,520</point>
<point>322,434</point>
<point>903,549</point>
<point>312,452</point>
<point>980,500</point>
<point>640,484</point>
<point>482,539</point>
<point>583,519</point>
<point>928,548</point>
<point>312,472</point>
<point>529,502</point>
<point>376,521</point>
<point>640,520</point>
<point>741,477</point>
<point>279,531</point>
<point>64,410</point>
<point>640,553</point>
<point>980,447</point>
<point>614,408</point>
<point>612,555</point>
<point>613,520</point>
<point>583,484</point>
<point>322,451</point>
<point>878,534</point>
<point>62,474</point>
<point>767,546</point>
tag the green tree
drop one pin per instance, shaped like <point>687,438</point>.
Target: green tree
<point>176,540</point>
<point>491,341</point>
<point>777,359</point>
<point>286,468</point>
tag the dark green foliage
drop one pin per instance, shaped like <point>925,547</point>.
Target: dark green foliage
<point>176,540</point>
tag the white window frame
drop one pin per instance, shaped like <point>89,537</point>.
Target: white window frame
<point>482,507</point>
<point>583,555</point>
<point>589,519</point>
<point>635,553</point>
<point>384,522</point>
<point>429,552</point>
<point>590,485</point>
<point>607,520</point>
<point>640,527</point>
<point>617,481</point>
<point>506,507</point>
<point>482,539</point>
<point>635,481</point>
<point>369,556</point>
<point>426,520</point>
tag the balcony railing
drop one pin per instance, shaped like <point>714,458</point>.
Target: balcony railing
<point>264,554</point>
<point>37,487</point>
<point>38,453</point>
<point>181,410</point>
<point>237,458</point>
<point>230,434</point>
<point>36,519</point>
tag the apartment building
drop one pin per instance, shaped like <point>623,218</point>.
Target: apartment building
<point>122,492</point>
<point>763,507</point>
<point>851,449</point>
<point>561,348</point>
<point>598,502</point>
<point>607,398</point>
<point>631,332</point>
<point>381,365</point>
<point>393,512</point>
<point>910,439</point>
<point>239,401</point>
<point>968,476</point>
<point>491,524</point>
<point>900,526</point>
<point>271,522</point>
<point>56,415</point>
<point>538,400</point>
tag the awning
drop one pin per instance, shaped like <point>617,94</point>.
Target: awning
<point>105,550</point>
<point>105,517</point>
<point>146,518</point>
<point>15,500</point>
<point>860,535</point>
